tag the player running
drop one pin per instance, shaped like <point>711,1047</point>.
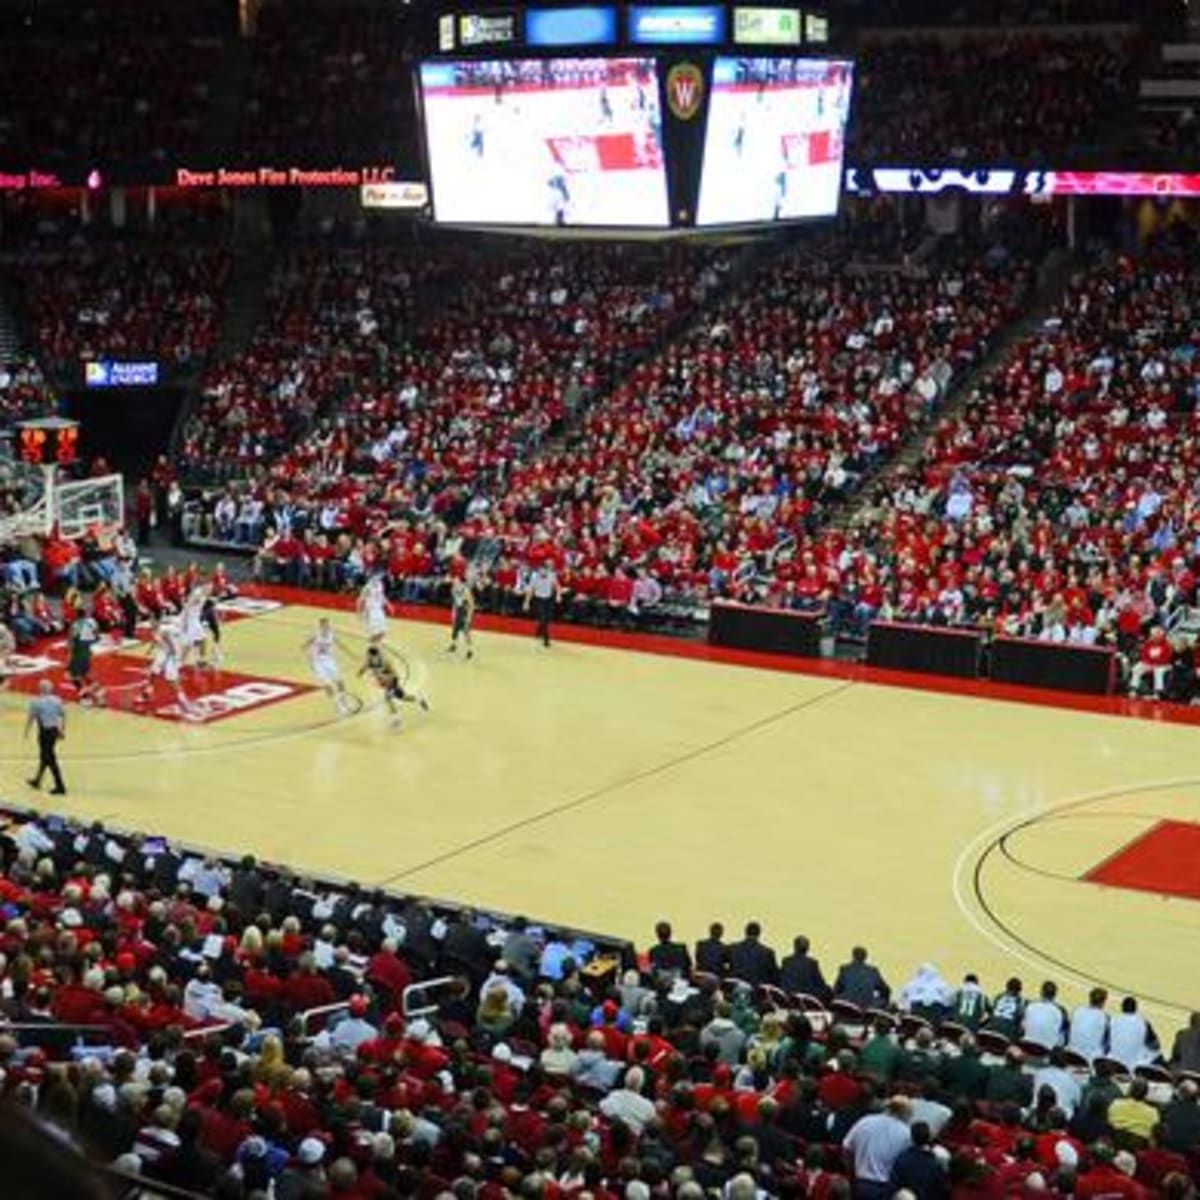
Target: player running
<point>462,615</point>
<point>384,674</point>
<point>373,609</point>
<point>321,649</point>
<point>82,637</point>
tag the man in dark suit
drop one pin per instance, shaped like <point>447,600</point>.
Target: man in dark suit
<point>860,982</point>
<point>800,972</point>
<point>246,888</point>
<point>750,960</point>
<point>712,955</point>
<point>465,948</point>
<point>666,956</point>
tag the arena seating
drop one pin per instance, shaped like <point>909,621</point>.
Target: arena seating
<point>219,1026</point>
<point>132,102</point>
<point>530,337</point>
<point>24,392</point>
<point>713,463</point>
<point>1022,98</point>
<point>329,85</point>
<point>911,13</point>
<point>1057,503</point>
<point>606,496</point>
<point>89,296</point>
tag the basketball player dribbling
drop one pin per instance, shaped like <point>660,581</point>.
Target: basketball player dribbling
<point>373,610</point>
<point>388,682</point>
<point>321,649</point>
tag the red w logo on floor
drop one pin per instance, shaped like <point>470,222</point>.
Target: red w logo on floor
<point>120,670</point>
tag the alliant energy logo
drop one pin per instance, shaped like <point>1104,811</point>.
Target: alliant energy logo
<point>685,90</point>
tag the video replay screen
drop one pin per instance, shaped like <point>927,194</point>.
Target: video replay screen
<point>555,141</point>
<point>775,139</point>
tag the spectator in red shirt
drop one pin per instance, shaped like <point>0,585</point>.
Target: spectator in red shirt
<point>1155,661</point>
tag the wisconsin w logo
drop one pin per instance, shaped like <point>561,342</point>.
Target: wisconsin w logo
<point>685,90</point>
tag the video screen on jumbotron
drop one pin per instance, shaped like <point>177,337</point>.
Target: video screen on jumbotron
<point>774,142</point>
<point>553,141</point>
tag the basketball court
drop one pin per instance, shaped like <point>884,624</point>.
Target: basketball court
<point>605,787</point>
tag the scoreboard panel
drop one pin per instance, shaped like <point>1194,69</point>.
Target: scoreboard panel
<point>545,141</point>
<point>666,116</point>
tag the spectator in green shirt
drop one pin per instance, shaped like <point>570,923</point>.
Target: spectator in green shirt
<point>964,1075</point>
<point>1007,1083</point>
<point>880,1056</point>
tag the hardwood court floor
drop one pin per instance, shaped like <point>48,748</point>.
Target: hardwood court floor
<point>606,788</point>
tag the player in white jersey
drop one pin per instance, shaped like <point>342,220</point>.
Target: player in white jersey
<point>8,647</point>
<point>165,662</point>
<point>191,628</point>
<point>322,650</point>
<point>373,609</point>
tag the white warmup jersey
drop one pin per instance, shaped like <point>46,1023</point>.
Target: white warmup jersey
<point>374,612</point>
<point>165,662</point>
<point>193,624</point>
<point>321,658</point>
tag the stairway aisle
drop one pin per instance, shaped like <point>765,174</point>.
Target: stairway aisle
<point>1053,276</point>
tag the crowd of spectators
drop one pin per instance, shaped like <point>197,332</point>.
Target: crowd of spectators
<point>238,1031</point>
<point>24,392</point>
<point>1059,502</point>
<point>331,85</point>
<point>994,100</point>
<point>883,13</point>
<point>94,296</point>
<point>529,427</point>
<point>130,103</point>
<point>429,437</point>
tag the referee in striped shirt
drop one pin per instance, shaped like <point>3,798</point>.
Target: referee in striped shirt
<point>542,594</point>
<point>48,713</point>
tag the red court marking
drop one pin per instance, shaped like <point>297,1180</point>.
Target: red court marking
<point>215,695</point>
<point>121,669</point>
<point>1164,860</point>
<point>825,668</point>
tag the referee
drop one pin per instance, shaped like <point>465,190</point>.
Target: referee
<point>542,593</point>
<point>47,712</point>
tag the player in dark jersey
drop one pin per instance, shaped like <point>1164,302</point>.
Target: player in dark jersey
<point>211,620</point>
<point>83,635</point>
<point>378,666</point>
<point>462,615</point>
<point>560,197</point>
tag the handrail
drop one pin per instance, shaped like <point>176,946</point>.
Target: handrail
<point>205,1030</point>
<point>424,986</point>
<point>321,1010</point>
<point>50,1027</point>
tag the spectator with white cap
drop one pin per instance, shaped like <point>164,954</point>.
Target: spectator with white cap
<point>304,1177</point>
